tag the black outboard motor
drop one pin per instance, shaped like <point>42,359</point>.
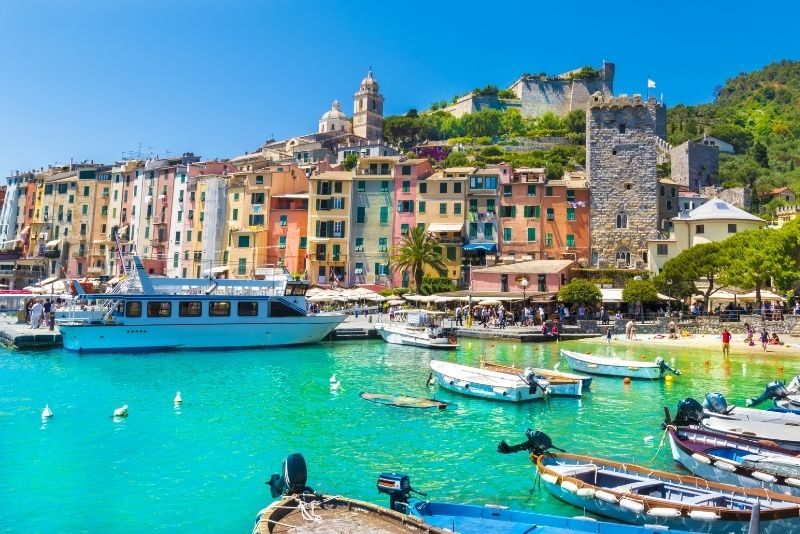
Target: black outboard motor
<point>775,391</point>
<point>536,443</point>
<point>293,481</point>
<point>715,402</point>
<point>690,412</point>
<point>530,378</point>
<point>664,367</point>
<point>398,487</point>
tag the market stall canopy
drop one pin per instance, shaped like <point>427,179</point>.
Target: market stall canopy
<point>486,247</point>
<point>766,294</point>
<point>489,302</point>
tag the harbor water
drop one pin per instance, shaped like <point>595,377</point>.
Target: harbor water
<point>201,465</point>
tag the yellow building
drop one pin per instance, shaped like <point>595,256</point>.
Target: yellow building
<point>329,199</point>
<point>246,217</point>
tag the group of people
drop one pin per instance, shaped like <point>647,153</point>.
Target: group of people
<point>39,312</point>
<point>764,337</point>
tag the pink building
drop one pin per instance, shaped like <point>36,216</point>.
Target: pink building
<point>543,276</point>
<point>406,175</point>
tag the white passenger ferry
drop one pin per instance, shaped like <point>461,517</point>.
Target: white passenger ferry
<point>148,314</point>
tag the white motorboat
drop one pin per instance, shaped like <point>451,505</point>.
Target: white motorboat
<point>420,329</point>
<point>487,384</point>
<point>150,314</point>
<point>561,384</point>
<point>602,365</point>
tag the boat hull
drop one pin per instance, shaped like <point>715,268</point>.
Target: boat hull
<point>397,335</point>
<point>208,335</point>
<point>586,363</point>
<point>483,384</point>
<point>561,384</point>
<point>709,468</point>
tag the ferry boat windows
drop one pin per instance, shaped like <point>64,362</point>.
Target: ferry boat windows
<point>159,309</point>
<point>219,308</point>
<point>190,308</point>
<point>247,309</point>
<point>280,309</point>
<point>133,308</point>
<point>295,289</point>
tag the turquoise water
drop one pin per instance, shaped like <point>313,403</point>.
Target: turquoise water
<point>202,467</point>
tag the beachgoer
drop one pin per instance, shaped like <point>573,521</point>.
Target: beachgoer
<point>774,340</point>
<point>628,329</point>
<point>726,342</point>
<point>36,314</point>
<point>633,329</point>
<point>458,316</point>
<point>764,338</point>
<point>608,336</point>
<point>555,332</point>
<point>672,333</point>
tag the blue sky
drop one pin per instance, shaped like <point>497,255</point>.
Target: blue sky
<point>92,79</point>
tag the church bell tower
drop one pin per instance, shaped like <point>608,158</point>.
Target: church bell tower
<point>368,110</point>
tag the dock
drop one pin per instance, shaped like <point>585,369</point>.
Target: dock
<point>22,336</point>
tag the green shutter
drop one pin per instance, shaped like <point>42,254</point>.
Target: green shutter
<point>531,234</point>
<point>384,214</point>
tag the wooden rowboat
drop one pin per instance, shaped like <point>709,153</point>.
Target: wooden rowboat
<point>487,384</point>
<point>404,401</point>
<point>561,383</point>
<point>601,365</point>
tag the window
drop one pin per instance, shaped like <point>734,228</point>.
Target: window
<point>490,205</point>
<point>443,188</point>
<point>133,308</point>
<point>247,309</point>
<point>423,187</point>
<point>531,190</point>
<point>242,268</point>
<point>457,187</point>
<point>405,206</point>
<point>473,205</point>
<point>506,234</point>
<point>336,252</point>
<point>548,240</point>
<point>531,211</point>
<point>256,198</point>
<point>570,240</point>
<point>570,214</point>
<point>361,214</point>
<point>85,209</point>
<point>284,220</point>
<point>551,214</point>
<point>177,237</point>
<point>661,190</point>
<point>457,208</point>
<point>662,249</point>
<point>476,182</point>
<point>159,309</point>
<point>359,268</point>
<point>531,234</point>
<point>506,190</point>
<point>622,220</point>
<point>442,208</point>
<point>700,229</point>
<point>337,203</point>
<point>280,309</point>
<point>337,187</point>
<point>406,186</point>
<point>338,229</point>
<point>669,205</point>
<point>86,190</point>
<point>303,243</point>
<point>508,211</point>
<point>504,283</point>
<point>282,242</point>
<point>732,228</point>
<point>219,308</point>
<point>244,241</point>
<point>623,257</point>
<point>487,230</point>
<point>190,308</point>
<point>71,199</point>
<point>382,247</point>
<point>405,170</point>
<point>384,215</point>
<point>403,229</point>
<point>672,192</point>
<point>548,191</point>
<point>473,230</point>
<point>490,182</point>
<point>188,235</point>
<point>234,214</point>
<point>622,128</point>
<point>384,186</point>
<point>421,205</point>
<point>361,186</point>
<point>570,195</point>
<point>259,179</point>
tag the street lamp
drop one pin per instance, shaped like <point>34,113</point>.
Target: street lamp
<point>669,295</point>
<point>524,283</point>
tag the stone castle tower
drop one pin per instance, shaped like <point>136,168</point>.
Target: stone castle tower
<point>368,110</point>
<point>621,142</point>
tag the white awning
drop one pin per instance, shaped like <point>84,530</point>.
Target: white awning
<point>611,294</point>
<point>216,270</point>
<point>445,227</point>
<point>53,243</point>
<point>46,281</point>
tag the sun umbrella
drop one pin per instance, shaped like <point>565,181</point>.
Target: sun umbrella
<point>489,302</point>
<point>395,302</point>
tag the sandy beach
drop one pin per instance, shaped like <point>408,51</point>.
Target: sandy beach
<point>791,344</point>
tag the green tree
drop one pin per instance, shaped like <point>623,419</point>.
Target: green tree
<point>760,154</point>
<point>643,291</point>
<point>431,285</point>
<point>507,94</point>
<point>705,262</point>
<point>403,131</point>
<point>511,122</point>
<point>575,121</point>
<point>580,291</point>
<point>416,251</point>
<point>350,162</point>
<point>455,159</point>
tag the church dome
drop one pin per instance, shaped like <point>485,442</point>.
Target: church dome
<point>335,112</point>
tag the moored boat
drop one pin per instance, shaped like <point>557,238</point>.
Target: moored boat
<point>786,398</point>
<point>561,383</point>
<point>736,461</point>
<point>641,495</point>
<point>420,329</point>
<point>602,365</point>
<point>206,313</point>
<point>487,384</point>
<point>404,401</point>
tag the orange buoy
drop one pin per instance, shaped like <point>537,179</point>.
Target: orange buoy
<point>626,380</point>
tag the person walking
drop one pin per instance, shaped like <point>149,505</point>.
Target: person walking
<point>672,333</point>
<point>36,315</point>
<point>628,329</point>
<point>608,336</point>
<point>726,343</point>
<point>764,338</point>
<point>458,316</point>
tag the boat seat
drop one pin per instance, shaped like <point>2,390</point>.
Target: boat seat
<point>573,470</point>
<point>638,486</point>
<point>704,499</point>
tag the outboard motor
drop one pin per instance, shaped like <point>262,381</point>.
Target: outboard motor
<point>294,478</point>
<point>715,402</point>
<point>398,487</point>
<point>664,367</point>
<point>794,385</point>
<point>535,382</point>
<point>775,391</point>
<point>537,443</point>
<point>690,412</point>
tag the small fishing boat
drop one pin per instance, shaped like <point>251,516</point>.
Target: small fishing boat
<point>735,461</point>
<point>300,510</point>
<point>488,384</point>
<point>787,398</point>
<point>641,495</point>
<point>602,365</point>
<point>404,401</point>
<point>778,428</point>
<point>561,383</point>
<point>421,328</point>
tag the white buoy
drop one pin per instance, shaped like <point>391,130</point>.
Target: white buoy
<point>333,379</point>
<point>648,439</point>
<point>178,399</point>
<point>335,386</point>
<point>47,412</point>
<point>121,411</point>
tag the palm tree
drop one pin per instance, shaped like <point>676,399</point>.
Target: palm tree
<point>417,250</point>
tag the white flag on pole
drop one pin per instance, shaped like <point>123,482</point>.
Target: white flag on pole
<point>651,84</point>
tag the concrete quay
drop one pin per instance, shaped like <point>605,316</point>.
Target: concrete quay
<point>22,336</point>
